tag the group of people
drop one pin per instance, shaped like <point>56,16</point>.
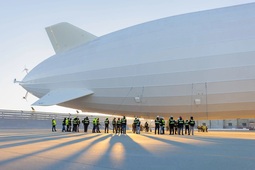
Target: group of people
<point>136,126</point>
<point>96,125</point>
<point>69,125</point>
<point>119,125</point>
<point>68,122</point>
<point>175,126</point>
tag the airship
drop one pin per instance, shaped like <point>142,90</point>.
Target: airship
<point>199,64</point>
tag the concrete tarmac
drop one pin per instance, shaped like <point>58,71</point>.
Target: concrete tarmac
<point>45,150</point>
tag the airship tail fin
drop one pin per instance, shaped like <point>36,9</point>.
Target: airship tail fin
<point>58,96</point>
<point>64,36</point>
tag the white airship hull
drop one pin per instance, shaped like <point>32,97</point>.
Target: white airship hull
<point>200,64</point>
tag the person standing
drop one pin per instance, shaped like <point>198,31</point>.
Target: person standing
<point>146,125</point>
<point>78,124</point>
<point>157,124</point>
<point>98,125</point>
<point>67,124</point>
<point>114,125</point>
<point>162,125</point>
<point>106,125</point>
<point>54,124</point>
<point>180,126</point>
<point>64,125</point>
<point>134,125</point>
<point>176,127</point>
<point>123,125</point>
<point>75,124</point>
<point>187,127</point>
<point>70,125</point>
<point>192,125</point>
<point>85,123</point>
<point>171,123</point>
<point>94,125</point>
<point>118,125</point>
<point>138,124</point>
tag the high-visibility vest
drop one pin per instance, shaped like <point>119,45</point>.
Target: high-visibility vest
<point>123,121</point>
<point>180,122</point>
<point>171,122</point>
<point>118,122</point>
<point>75,121</point>
<point>67,121</point>
<point>106,121</point>
<point>192,122</point>
<point>114,122</point>
<point>86,121</point>
<point>163,122</point>
<point>54,122</point>
<point>95,121</point>
<point>156,121</point>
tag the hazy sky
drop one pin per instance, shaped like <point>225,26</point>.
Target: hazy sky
<point>24,42</point>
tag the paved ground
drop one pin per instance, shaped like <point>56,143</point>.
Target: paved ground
<point>44,150</point>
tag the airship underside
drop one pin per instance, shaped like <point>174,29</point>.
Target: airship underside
<point>200,64</point>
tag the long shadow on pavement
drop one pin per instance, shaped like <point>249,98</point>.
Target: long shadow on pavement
<point>47,149</point>
<point>40,139</point>
<point>73,158</point>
